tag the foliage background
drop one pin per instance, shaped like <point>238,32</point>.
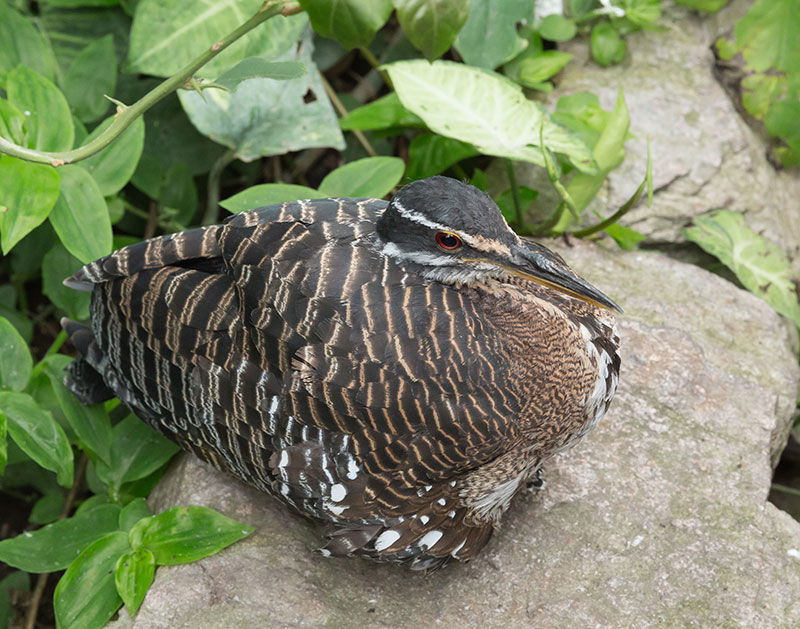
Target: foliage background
<point>334,98</point>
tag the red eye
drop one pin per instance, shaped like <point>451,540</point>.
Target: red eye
<point>448,241</point>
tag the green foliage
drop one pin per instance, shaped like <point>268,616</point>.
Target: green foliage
<point>766,37</point>
<point>254,125</point>
<point>761,266</point>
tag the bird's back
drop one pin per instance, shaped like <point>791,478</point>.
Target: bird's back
<point>285,349</point>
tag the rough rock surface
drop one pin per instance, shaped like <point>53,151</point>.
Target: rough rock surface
<point>658,518</point>
<point>705,156</point>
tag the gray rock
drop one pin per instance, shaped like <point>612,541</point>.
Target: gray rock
<point>658,518</point>
<point>704,155</point>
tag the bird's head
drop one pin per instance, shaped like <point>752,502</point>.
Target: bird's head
<point>456,234</point>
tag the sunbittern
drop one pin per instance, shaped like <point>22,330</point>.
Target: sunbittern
<point>397,370</point>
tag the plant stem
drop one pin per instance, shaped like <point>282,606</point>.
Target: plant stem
<point>126,115</point>
<point>582,233</point>
<point>786,490</point>
<point>41,582</point>
<point>214,176</point>
<point>375,63</point>
<point>512,179</point>
<point>342,111</point>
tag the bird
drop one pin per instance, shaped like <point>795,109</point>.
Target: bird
<point>397,371</point>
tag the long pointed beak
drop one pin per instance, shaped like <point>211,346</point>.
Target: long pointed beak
<point>539,264</point>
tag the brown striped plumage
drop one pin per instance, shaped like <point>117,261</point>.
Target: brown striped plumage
<point>331,353</point>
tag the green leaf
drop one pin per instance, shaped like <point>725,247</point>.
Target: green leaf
<point>382,113</point>
<point>16,364</point>
<point>134,511</point>
<point>47,509</point>
<point>12,122</point>
<point>642,13</point>
<point>266,117</point>
<point>582,113</point>
<point>489,37</point>
<point>431,25</point>
<point>431,154</point>
<point>767,35</point>
<point>136,451</point>
<point>761,266</point>
<point>760,91</point>
<point>259,68</point>
<point>505,201</point>
<point>607,46</point>
<point>372,177</point>
<point>22,45</point>
<point>49,124</point>
<point>484,109</point>
<point>627,238</point>
<point>709,6</point>
<point>86,596</point>
<point>353,23</point>
<point>133,576</point>
<point>3,443</point>
<point>92,75</point>
<point>57,265</point>
<point>168,34</point>
<point>185,534</point>
<point>556,27</point>
<point>89,421</point>
<point>541,67</point>
<point>80,216</point>
<point>113,167</point>
<point>28,193</point>
<point>608,153</point>
<point>72,4</point>
<point>57,545</point>
<point>267,194</point>
<point>36,432</point>
<point>783,120</point>
<point>178,195</point>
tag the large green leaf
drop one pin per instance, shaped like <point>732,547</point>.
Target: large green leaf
<point>28,193</point>
<point>484,109</point>
<point>89,421</point>
<point>489,37</point>
<point>16,363</point>
<point>21,44</point>
<point>760,265</point>
<point>168,34</point>
<point>133,575</point>
<point>185,534</point>
<point>86,596</point>
<point>80,216</point>
<point>57,265</point>
<point>113,167</point>
<point>48,126</point>
<point>768,35</point>
<point>267,194</point>
<point>136,451</point>
<point>39,435</point>
<point>431,25</point>
<point>55,546</point>
<point>382,113</point>
<point>268,117</point>
<point>372,177</point>
<point>431,154</point>
<point>351,22</point>
<point>91,76</point>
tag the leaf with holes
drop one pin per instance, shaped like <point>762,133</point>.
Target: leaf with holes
<point>268,117</point>
<point>760,265</point>
<point>484,109</point>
